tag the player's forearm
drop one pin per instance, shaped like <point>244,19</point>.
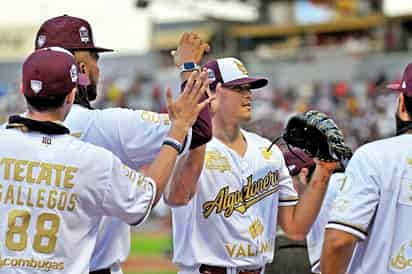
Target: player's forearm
<point>310,202</point>
<point>336,254</point>
<point>183,184</point>
<point>161,168</point>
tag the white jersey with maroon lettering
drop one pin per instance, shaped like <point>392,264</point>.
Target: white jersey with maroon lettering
<point>316,234</point>
<point>375,205</point>
<point>135,136</point>
<point>231,220</point>
<point>54,190</point>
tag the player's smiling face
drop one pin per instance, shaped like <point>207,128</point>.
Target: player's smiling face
<point>234,102</point>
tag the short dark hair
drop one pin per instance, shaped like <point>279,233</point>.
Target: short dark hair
<point>408,105</point>
<point>43,104</point>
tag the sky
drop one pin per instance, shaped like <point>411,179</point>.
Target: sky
<point>116,23</point>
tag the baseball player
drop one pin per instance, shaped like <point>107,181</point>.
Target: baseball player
<point>135,136</point>
<point>55,188</point>
<point>373,209</point>
<point>229,224</point>
<point>301,168</point>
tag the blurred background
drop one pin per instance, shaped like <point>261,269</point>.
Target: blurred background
<point>332,55</point>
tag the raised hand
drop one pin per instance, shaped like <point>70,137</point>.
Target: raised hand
<point>185,109</point>
<point>190,49</point>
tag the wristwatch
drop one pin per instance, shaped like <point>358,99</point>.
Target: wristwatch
<point>189,66</point>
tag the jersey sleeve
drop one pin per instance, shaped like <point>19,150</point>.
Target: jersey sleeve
<point>356,203</point>
<point>287,193</point>
<point>128,194</point>
<point>139,133</point>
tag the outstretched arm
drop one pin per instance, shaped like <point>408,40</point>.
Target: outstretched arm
<point>183,183</point>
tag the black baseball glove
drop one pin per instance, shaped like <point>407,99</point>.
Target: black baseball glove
<point>318,136</point>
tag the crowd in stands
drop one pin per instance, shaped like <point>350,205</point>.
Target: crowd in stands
<point>364,109</point>
<point>360,108</point>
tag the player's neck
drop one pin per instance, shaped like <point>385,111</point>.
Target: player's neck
<point>230,135</point>
<point>45,116</point>
<point>226,131</point>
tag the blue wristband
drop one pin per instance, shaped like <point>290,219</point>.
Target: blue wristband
<point>168,141</point>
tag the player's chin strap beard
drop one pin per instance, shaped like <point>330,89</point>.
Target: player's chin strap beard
<point>402,126</point>
<point>46,127</point>
<point>82,98</point>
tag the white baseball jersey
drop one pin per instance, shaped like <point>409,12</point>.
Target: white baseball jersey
<point>316,234</point>
<point>54,190</point>
<point>375,205</point>
<point>231,220</point>
<point>136,138</point>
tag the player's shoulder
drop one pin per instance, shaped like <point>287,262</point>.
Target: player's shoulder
<point>125,115</point>
<point>6,134</point>
<point>89,149</point>
<point>255,138</point>
<point>115,111</point>
<point>384,146</point>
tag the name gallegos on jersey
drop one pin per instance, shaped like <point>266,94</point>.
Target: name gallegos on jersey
<point>37,173</point>
<point>241,200</point>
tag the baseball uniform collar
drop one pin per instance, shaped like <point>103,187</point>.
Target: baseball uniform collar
<point>46,127</point>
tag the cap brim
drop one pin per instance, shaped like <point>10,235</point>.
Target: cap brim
<point>99,49</point>
<point>253,82</point>
<point>94,49</point>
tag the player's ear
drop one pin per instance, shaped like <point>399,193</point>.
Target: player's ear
<point>83,68</point>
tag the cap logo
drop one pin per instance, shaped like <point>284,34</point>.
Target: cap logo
<point>41,40</point>
<point>240,67</point>
<point>403,84</point>
<point>73,73</point>
<point>84,34</point>
<point>36,85</point>
<point>211,75</point>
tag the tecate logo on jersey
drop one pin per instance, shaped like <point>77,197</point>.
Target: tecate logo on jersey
<point>242,200</point>
<point>216,161</point>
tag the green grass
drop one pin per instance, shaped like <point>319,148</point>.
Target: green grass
<point>149,245</point>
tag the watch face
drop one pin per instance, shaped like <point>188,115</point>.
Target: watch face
<point>189,65</point>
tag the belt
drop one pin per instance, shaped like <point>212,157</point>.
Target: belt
<point>210,269</point>
<point>101,271</point>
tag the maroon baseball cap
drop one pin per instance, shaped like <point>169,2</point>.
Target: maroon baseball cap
<point>296,159</point>
<point>50,72</point>
<point>231,72</point>
<point>405,85</point>
<point>68,32</point>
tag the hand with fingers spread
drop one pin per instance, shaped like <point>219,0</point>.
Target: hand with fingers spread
<point>185,110</point>
<point>191,48</point>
